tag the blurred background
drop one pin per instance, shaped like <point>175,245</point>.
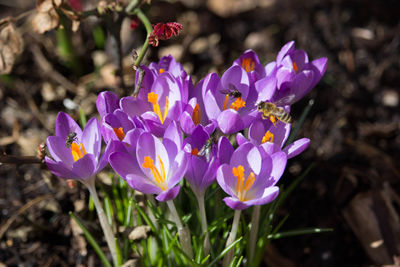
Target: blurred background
<point>354,124</point>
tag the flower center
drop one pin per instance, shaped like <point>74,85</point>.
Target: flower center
<point>238,103</point>
<point>161,70</point>
<point>196,117</point>
<point>295,68</point>
<point>242,187</point>
<point>248,64</point>
<point>78,151</point>
<point>268,137</point>
<point>153,99</point>
<point>119,132</point>
<point>158,177</point>
<point>195,151</point>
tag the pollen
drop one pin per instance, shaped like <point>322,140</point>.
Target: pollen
<point>273,119</point>
<point>159,178</point>
<point>268,137</point>
<point>119,132</point>
<point>242,187</point>
<point>295,68</point>
<point>195,151</point>
<point>248,64</point>
<point>238,103</point>
<point>78,151</point>
<point>196,117</point>
<point>161,70</point>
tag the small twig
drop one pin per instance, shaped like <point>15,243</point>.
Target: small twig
<point>139,82</point>
<point>149,29</point>
<point>13,138</point>
<point>19,160</point>
<point>21,210</point>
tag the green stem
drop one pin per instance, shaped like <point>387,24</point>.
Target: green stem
<point>149,211</point>
<point>149,29</point>
<point>255,217</point>
<point>183,232</point>
<point>232,235</point>
<point>204,227</point>
<point>108,233</point>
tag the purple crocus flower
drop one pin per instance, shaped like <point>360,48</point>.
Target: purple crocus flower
<point>271,138</point>
<point>107,102</point>
<point>157,166</point>
<point>295,75</point>
<point>250,178</point>
<point>230,100</point>
<point>251,64</point>
<point>202,169</point>
<point>79,158</point>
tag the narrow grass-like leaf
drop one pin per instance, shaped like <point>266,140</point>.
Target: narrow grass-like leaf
<point>91,240</point>
<point>302,231</point>
<point>119,255</point>
<point>300,122</point>
<point>82,118</point>
<point>145,217</point>
<point>225,251</point>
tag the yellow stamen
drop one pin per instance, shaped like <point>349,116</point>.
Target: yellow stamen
<point>225,102</point>
<point>195,151</point>
<point>160,179</point>
<point>273,119</point>
<point>268,137</point>
<point>295,68</point>
<point>238,103</point>
<point>119,132</point>
<point>241,187</point>
<point>248,64</point>
<point>78,151</point>
<point>196,117</point>
<point>161,70</point>
<point>153,99</point>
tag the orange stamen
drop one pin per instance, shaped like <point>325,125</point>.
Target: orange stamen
<point>273,119</point>
<point>153,99</point>
<point>158,178</point>
<point>295,68</point>
<point>78,151</point>
<point>196,115</point>
<point>268,137</point>
<point>238,103</point>
<point>119,132</point>
<point>161,70</point>
<point>225,102</point>
<point>195,151</point>
<point>248,64</point>
<point>241,187</point>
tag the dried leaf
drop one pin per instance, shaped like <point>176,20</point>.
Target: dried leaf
<point>45,21</point>
<point>44,5</point>
<point>139,232</point>
<point>11,45</point>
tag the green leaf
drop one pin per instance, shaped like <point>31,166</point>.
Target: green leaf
<point>91,240</point>
<point>302,231</point>
<point>225,251</point>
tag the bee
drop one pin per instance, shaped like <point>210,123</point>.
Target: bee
<point>274,110</point>
<point>206,149</point>
<point>232,92</point>
<point>71,137</point>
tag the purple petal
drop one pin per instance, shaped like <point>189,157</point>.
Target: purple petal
<point>302,84</point>
<point>299,57</point>
<point>319,67</point>
<point>270,68</point>
<point>279,160</point>
<point>212,107</point>
<point>168,194</point>
<point>240,139</point>
<point>111,147</point>
<point>225,179</point>
<point>178,169</point>
<point>58,150</point>
<point>125,164</point>
<point>186,123</point>
<point>287,48</point>
<point>296,147</point>
<point>142,184</point>
<point>85,167</point>
<point>60,169</point>
<point>248,156</point>
<point>174,134</point>
<point>266,88</point>
<point>235,203</point>
<point>237,77</point>
<point>225,150</point>
<point>134,106</point>
<point>107,102</point>
<point>91,138</point>
<point>65,125</point>
<point>269,195</point>
<point>230,121</point>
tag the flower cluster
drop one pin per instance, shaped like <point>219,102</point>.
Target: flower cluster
<point>144,134</point>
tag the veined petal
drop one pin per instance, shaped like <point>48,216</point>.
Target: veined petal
<point>235,203</point>
<point>142,184</point>
<point>58,150</point>
<point>168,194</point>
<point>296,147</point>
<point>85,167</point>
<point>91,138</point>
<point>107,102</point>
<point>279,160</point>
<point>287,48</point>
<point>230,121</point>
<point>65,125</point>
<point>269,195</point>
<point>125,164</point>
<point>60,169</point>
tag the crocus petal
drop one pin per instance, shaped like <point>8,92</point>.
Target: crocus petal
<point>224,172</point>
<point>58,150</point>
<point>225,150</point>
<point>287,48</point>
<point>174,134</point>
<point>210,83</point>
<point>112,146</point>
<point>296,147</point>
<point>84,167</point>
<point>240,139</point>
<point>91,138</point>
<point>178,168</point>
<point>107,102</point>
<point>269,195</point>
<point>125,164</point>
<point>142,184</point>
<point>186,123</point>
<point>65,125</point>
<point>60,169</point>
<point>229,121</point>
<point>252,156</point>
<point>134,106</point>
<point>265,88</point>
<point>168,194</point>
<point>235,203</point>
<point>237,77</point>
<point>279,160</point>
<point>302,84</point>
<point>319,67</point>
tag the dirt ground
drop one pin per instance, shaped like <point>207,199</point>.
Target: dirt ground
<point>354,124</point>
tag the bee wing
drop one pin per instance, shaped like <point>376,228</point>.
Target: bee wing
<point>287,100</point>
